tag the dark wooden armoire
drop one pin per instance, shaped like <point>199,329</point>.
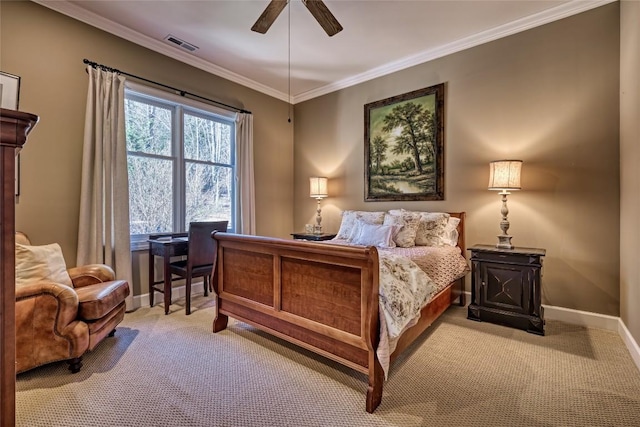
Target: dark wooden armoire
<point>15,125</point>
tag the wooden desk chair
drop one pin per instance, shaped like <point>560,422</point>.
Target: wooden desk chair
<point>199,262</point>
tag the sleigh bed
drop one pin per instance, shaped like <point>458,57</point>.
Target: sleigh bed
<point>324,297</point>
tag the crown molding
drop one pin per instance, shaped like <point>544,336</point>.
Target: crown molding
<point>80,14</point>
<point>565,10</point>
<point>541,18</point>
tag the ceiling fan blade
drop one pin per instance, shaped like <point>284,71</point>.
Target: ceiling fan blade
<point>269,16</point>
<point>324,17</point>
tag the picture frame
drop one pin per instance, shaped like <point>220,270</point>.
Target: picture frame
<point>9,91</point>
<point>404,146</point>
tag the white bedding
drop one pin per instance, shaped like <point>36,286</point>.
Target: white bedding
<point>409,278</point>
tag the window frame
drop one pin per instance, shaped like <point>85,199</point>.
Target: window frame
<point>180,106</point>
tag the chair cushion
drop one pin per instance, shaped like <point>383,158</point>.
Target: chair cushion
<point>99,299</point>
<point>99,329</point>
<point>180,268</point>
<point>36,263</point>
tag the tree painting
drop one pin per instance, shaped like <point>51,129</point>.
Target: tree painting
<point>404,146</point>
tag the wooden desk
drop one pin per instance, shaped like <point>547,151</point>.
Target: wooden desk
<point>165,246</point>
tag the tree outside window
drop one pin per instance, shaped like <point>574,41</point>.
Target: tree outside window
<point>181,166</point>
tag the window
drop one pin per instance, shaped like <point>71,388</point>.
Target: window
<point>181,164</point>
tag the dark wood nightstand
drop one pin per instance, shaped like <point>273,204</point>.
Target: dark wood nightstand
<point>313,237</point>
<point>505,287</point>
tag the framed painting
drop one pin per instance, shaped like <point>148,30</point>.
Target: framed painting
<point>404,146</point>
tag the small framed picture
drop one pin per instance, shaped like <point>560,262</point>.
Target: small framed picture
<point>9,90</point>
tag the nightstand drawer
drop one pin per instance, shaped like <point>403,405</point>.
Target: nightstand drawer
<point>506,258</point>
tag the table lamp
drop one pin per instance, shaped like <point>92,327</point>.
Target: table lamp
<point>318,190</point>
<point>504,175</point>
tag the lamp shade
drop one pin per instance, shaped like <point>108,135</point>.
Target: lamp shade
<point>318,187</point>
<point>505,174</point>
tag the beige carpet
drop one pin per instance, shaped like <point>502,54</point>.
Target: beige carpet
<point>172,371</point>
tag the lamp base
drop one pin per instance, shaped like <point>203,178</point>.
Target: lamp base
<point>318,227</point>
<point>504,242</point>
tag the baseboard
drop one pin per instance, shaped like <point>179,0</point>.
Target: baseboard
<point>582,318</point>
<point>631,344</point>
<point>592,320</point>
<point>595,320</point>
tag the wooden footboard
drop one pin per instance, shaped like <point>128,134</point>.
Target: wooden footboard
<point>321,297</point>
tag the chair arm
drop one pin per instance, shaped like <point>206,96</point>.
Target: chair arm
<point>65,297</point>
<point>47,329</point>
<point>91,274</point>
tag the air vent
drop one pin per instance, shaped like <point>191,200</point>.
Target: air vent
<point>180,43</point>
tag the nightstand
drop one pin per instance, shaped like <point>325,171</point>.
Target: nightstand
<point>313,237</point>
<point>505,287</point>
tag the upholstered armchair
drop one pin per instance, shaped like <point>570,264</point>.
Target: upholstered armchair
<point>57,321</point>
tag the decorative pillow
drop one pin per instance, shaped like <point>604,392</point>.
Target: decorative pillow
<point>35,263</point>
<point>431,228</point>
<point>349,219</point>
<point>450,235</point>
<point>366,234</point>
<point>354,233</point>
<point>406,237</point>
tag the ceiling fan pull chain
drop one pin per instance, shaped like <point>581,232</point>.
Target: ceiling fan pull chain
<point>289,45</point>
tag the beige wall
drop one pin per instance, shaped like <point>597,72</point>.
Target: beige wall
<point>46,50</point>
<point>629,161</point>
<point>549,96</point>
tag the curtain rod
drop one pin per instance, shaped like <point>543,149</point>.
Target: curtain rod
<point>180,91</point>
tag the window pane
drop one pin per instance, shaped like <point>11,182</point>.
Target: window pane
<point>150,195</point>
<point>208,193</point>
<point>148,128</point>
<point>206,139</point>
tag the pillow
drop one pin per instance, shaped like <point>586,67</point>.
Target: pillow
<point>35,263</point>
<point>450,235</point>
<point>409,221</point>
<point>354,233</point>
<point>431,228</point>
<point>366,234</point>
<point>349,219</point>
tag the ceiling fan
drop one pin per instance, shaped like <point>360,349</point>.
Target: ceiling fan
<point>317,8</point>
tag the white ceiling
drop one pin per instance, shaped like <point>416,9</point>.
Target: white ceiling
<point>379,37</point>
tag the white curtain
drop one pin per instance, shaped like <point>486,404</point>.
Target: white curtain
<point>103,229</point>
<point>247,202</point>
